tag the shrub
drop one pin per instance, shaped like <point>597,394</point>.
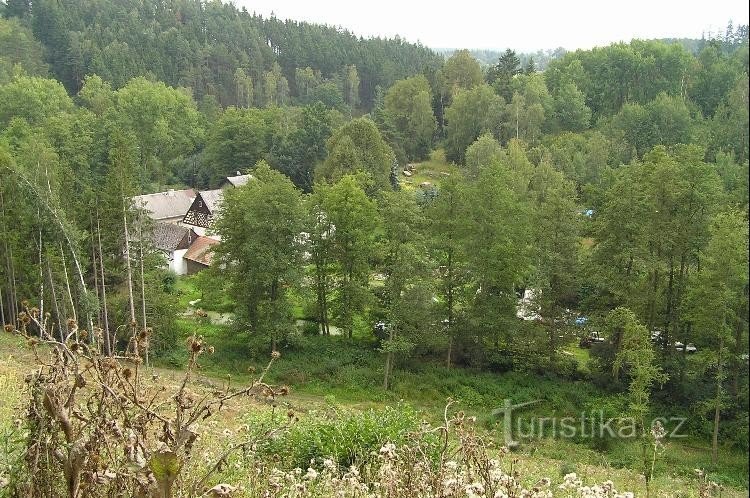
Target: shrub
<point>346,437</point>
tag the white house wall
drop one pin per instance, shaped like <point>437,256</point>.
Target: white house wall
<point>177,263</point>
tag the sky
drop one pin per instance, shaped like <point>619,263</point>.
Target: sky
<point>525,26</point>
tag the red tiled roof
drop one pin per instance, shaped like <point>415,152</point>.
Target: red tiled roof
<point>199,251</point>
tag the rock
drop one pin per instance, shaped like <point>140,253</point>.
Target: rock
<point>425,185</point>
<point>407,173</point>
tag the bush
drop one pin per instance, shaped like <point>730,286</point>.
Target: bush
<point>310,328</point>
<point>346,437</point>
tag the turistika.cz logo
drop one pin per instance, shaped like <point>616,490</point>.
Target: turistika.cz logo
<point>587,425</point>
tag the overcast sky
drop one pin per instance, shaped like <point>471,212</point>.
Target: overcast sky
<point>525,25</point>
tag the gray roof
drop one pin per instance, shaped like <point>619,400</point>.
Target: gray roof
<point>212,198</point>
<point>164,205</point>
<point>167,236</point>
<point>239,180</point>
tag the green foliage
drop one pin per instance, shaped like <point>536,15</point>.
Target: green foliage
<point>298,153</point>
<point>499,238</point>
<point>663,121</point>
<point>345,437</point>
<point>483,152</point>
<point>612,76</point>
<point>569,109</point>
<point>206,48</point>
<point>260,249</point>
<point>19,50</point>
<point>32,98</point>
<point>472,113</point>
<point>353,218</point>
<point>163,120</point>
<point>240,138</point>
<point>408,111</point>
<point>460,72</point>
<point>501,75</point>
<point>645,140</point>
<point>358,147</point>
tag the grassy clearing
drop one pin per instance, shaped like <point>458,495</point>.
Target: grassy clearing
<point>334,372</point>
<point>330,374</point>
<point>433,170</point>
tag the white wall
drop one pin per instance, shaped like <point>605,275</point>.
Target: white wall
<point>177,263</point>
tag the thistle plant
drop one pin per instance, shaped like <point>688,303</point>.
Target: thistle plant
<point>108,428</point>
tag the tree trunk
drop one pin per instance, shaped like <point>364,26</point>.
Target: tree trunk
<point>717,409</point>
<point>669,308</point>
<point>67,287</point>
<point>68,241</point>
<point>2,308</point>
<point>676,317</point>
<point>143,290</point>
<point>108,339</point>
<point>54,302</point>
<point>449,302</point>
<point>11,276</point>
<point>95,271</point>
<point>389,360</point>
<point>738,346</point>
<point>133,323</point>
<point>41,279</point>
<point>321,295</point>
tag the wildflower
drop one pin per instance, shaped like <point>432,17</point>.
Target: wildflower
<point>388,450</point>
<point>221,490</point>
<point>658,433</point>
<point>474,489</point>
<point>312,474</point>
<point>195,344</point>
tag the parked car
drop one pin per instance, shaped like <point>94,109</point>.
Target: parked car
<point>690,348</point>
<point>593,337</point>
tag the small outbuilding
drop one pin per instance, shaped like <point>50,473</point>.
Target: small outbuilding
<point>200,254</point>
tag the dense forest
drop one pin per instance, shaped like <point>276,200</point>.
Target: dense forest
<point>613,184</point>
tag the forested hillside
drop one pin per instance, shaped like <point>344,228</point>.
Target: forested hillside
<point>415,228</point>
<point>214,49</point>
